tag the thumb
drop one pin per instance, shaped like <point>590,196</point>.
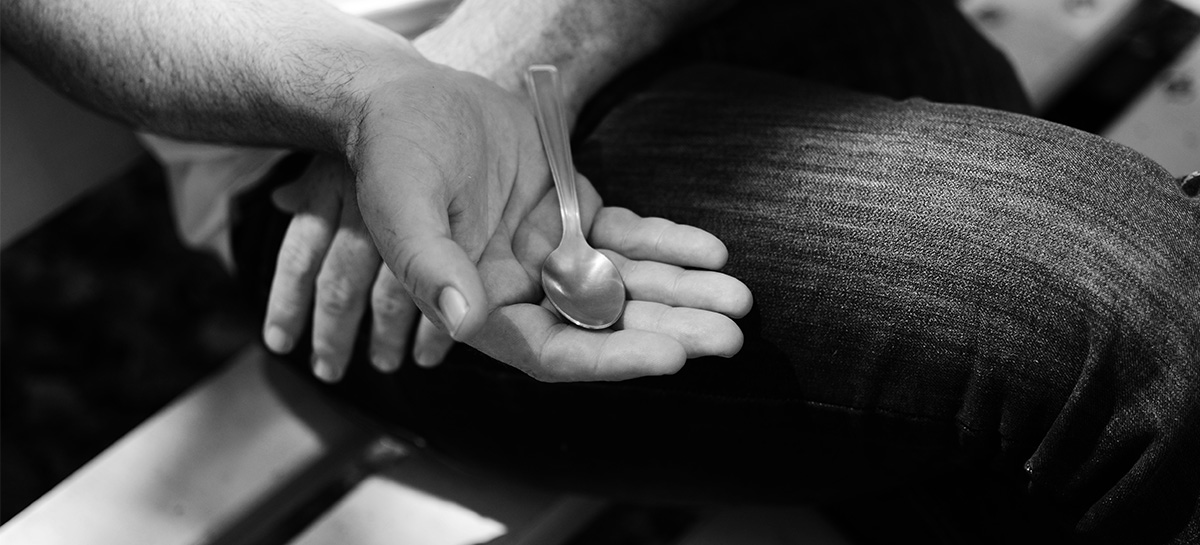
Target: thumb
<point>414,239</point>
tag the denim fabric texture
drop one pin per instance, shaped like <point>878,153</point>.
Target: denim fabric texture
<point>1033,287</point>
<point>936,285</point>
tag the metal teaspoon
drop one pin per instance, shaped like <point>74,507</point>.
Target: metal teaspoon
<point>579,281</point>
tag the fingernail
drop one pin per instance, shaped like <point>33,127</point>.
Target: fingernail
<point>384,363</point>
<point>425,359</point>
<point>324,370</point>
<point>278,340</point>
<point>454,309</point>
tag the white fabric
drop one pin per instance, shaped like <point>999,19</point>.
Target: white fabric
<point>203,180</point>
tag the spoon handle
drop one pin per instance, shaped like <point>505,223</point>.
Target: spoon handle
<point>543,84</point>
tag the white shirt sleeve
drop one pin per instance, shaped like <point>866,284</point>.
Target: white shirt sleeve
<point>202,180</point>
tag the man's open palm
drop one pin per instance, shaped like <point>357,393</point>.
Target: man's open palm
<point>453,186</point>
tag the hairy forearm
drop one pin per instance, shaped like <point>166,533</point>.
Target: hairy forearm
<point>590,41</point>
<point>277,72</point>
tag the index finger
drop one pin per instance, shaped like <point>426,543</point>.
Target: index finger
<point>656,239</point>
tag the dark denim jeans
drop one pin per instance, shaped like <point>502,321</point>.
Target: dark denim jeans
<point>935,286</point>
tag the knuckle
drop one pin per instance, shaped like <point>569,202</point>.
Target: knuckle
<point>678,283</point>
<point>543,371</point>
<point>408,268</point>
<point>663,235</point>
<point>415,280</point>
<point>336,295</point>
<point>295,257</point>
<point>389,304</point>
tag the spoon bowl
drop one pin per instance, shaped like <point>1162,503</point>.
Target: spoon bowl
<point>582,284</point>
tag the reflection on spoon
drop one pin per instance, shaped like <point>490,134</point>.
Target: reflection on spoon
<point>579,281</point>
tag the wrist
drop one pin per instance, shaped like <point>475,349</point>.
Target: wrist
<point>582,39</point>
<point>390,93</point>
<point>368,59</point>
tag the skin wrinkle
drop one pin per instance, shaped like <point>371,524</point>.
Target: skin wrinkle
<point>413,120</point>
<point>460,211</point>
<point>518,204</point>
<point>662,312</point>
<point>296,259</point>
<point>285,307</point>
<point>657,246</point>
<point>322,350</point>
<point>296,266</point>
<point>389,302</point>
<point>597,369</point>
<point>355,142</point>
<point>531,269</point>
<point>629,228</point>
<point>337,294</point>
<point>530,367</point>
<point>633,265</point>
<point>342,292</point>
<point>674,289</point>
<point>407,277</point>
